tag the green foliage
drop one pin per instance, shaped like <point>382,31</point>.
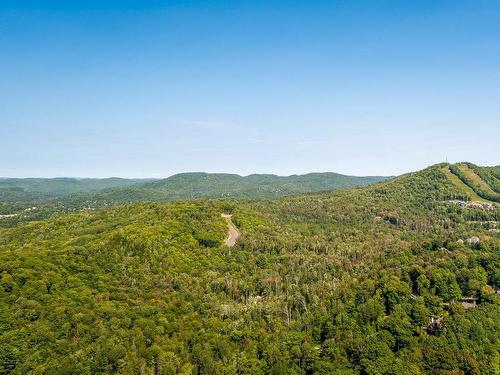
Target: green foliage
<point>490,175</point>
<point>482,189</point>
<point>341,282</point>
<point>221,186</point>
<point>30,188</point>
<point>35,199</point>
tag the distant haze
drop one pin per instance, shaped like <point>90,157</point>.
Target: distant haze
<point>139,89</point>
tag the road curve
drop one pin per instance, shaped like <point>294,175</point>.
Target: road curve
<point>233,233</point>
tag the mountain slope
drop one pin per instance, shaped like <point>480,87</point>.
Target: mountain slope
<point>333,282</point>
<point>48,196</point>
<point>220,185</point>
<point>37,197</point>
<point>483,181</point>
<point>15,189</point>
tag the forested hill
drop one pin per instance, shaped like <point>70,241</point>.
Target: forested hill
<point>200,185</point>
<point>483,183</point>
<point>55,196</point>
<point>368,280</point>
<point>28,189</point>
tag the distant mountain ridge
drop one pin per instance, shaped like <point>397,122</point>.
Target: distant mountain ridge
<point>72,194</point>
<point>60,195</point>
<point>53,187</point>
<point>201,185</point>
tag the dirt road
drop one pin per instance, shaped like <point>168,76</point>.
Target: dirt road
<point>233,233</point>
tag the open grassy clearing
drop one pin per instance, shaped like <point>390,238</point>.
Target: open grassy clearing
<point>465,188</point>
<point>469,173</point>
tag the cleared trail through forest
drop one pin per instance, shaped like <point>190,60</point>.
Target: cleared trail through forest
<point>233,233</point>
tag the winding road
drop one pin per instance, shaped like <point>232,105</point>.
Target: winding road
<point>233,233</point>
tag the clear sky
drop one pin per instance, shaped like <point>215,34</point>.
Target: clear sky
<point>152,88</point>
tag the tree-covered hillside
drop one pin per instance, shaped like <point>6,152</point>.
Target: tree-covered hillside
<point>29,189</point>
<point>484,181</point>
<point>186,186</point>
<point>367,280</point>
<point>69,195</point>
<point>65,185</point>
<point>38,197</point>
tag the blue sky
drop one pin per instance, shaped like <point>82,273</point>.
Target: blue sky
<point>152,88</point>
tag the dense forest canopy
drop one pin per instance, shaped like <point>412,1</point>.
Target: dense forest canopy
<point>182,186</point>
<point>223,185</point>
<point>62,195</point>
<point>19,194</point>
<point>54,187</point>
<point>399,277</point>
